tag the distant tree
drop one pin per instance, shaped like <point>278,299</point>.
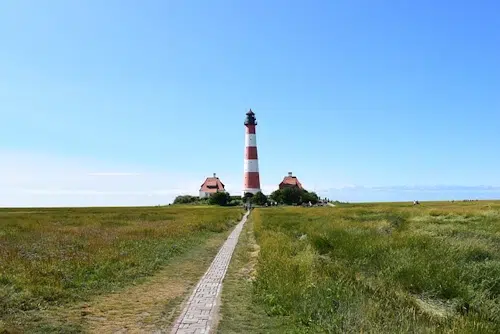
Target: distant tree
<point>259,199</point>
<point>277,196</point>
<point>185,199</point>
<point>236,202</point>
<point>287,196</point>
<point>220,198</point>
<point>310,197</point>
<point>247,196</point>
<point>294,195</point>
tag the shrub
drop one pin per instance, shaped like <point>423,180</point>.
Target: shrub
<point>220,198</point>
<point>310,197</point>
<point>292,196</point>
<point>259,199</point>
<point>185,199</point>
<point>247,195</point>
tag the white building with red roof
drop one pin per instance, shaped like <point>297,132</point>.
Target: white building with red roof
<point>210,186</point>
<point>290,181</point>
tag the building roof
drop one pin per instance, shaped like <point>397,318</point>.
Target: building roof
<point>212,185</point>
<point>290,181</point>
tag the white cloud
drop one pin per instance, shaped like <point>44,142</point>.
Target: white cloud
<point>113,174</point>
<point>41,180</point>
<point>45,180</point>
<point>72,192</point>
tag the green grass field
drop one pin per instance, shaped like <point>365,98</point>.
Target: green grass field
<point>377,268</point>
<point>52,259</point>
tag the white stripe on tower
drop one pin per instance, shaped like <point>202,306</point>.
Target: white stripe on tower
<point>251,166</point>
<point>250,140</point>
<point>251,190</point>
<point>251,183</point>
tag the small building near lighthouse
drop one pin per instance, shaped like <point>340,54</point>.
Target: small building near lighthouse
<point>211,186</point>
<point>290,181</point>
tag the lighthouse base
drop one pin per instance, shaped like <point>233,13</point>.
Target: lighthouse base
<point>250,190</point>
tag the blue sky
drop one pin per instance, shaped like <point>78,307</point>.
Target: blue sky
<point>126,102</point>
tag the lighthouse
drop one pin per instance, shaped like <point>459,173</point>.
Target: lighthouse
<point>251,183</point>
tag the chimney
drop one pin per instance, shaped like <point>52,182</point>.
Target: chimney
<point>214,175</point>
<point>289,173</point>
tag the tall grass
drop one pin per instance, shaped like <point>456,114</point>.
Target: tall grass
<point>381,267</point>
<point>56,256</point>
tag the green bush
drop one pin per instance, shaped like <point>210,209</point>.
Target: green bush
<point>220,198</point>
<point>294,195</point>
<point>186,199</point>
<point>259,199</point>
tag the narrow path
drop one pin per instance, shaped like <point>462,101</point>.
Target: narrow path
<point>200,313</point>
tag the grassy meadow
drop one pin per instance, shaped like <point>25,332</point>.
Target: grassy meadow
<point>53,258</point>
<point>377,268</point>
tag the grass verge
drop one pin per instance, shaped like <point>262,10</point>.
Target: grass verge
<point>53,260</point>
<point>378,268</point>
<point>146,307</point>
<point>239,313</point>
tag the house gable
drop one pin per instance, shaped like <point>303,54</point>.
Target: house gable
<point>212,185</point>
<point>290,181</point>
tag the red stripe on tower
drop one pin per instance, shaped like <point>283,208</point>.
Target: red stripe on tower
<point>251,153</point>
<point>250,129</point>
<point>251,182</point>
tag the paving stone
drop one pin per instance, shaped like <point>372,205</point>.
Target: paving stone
<point>202,306</point>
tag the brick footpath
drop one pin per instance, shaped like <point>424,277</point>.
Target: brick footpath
<point>200,313</point>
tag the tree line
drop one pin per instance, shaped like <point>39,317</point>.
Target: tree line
<point>287,196</point>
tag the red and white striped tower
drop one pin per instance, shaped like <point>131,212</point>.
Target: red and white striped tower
<point>251,182</point>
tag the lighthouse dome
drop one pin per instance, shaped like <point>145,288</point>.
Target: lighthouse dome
<point>250,119</point>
